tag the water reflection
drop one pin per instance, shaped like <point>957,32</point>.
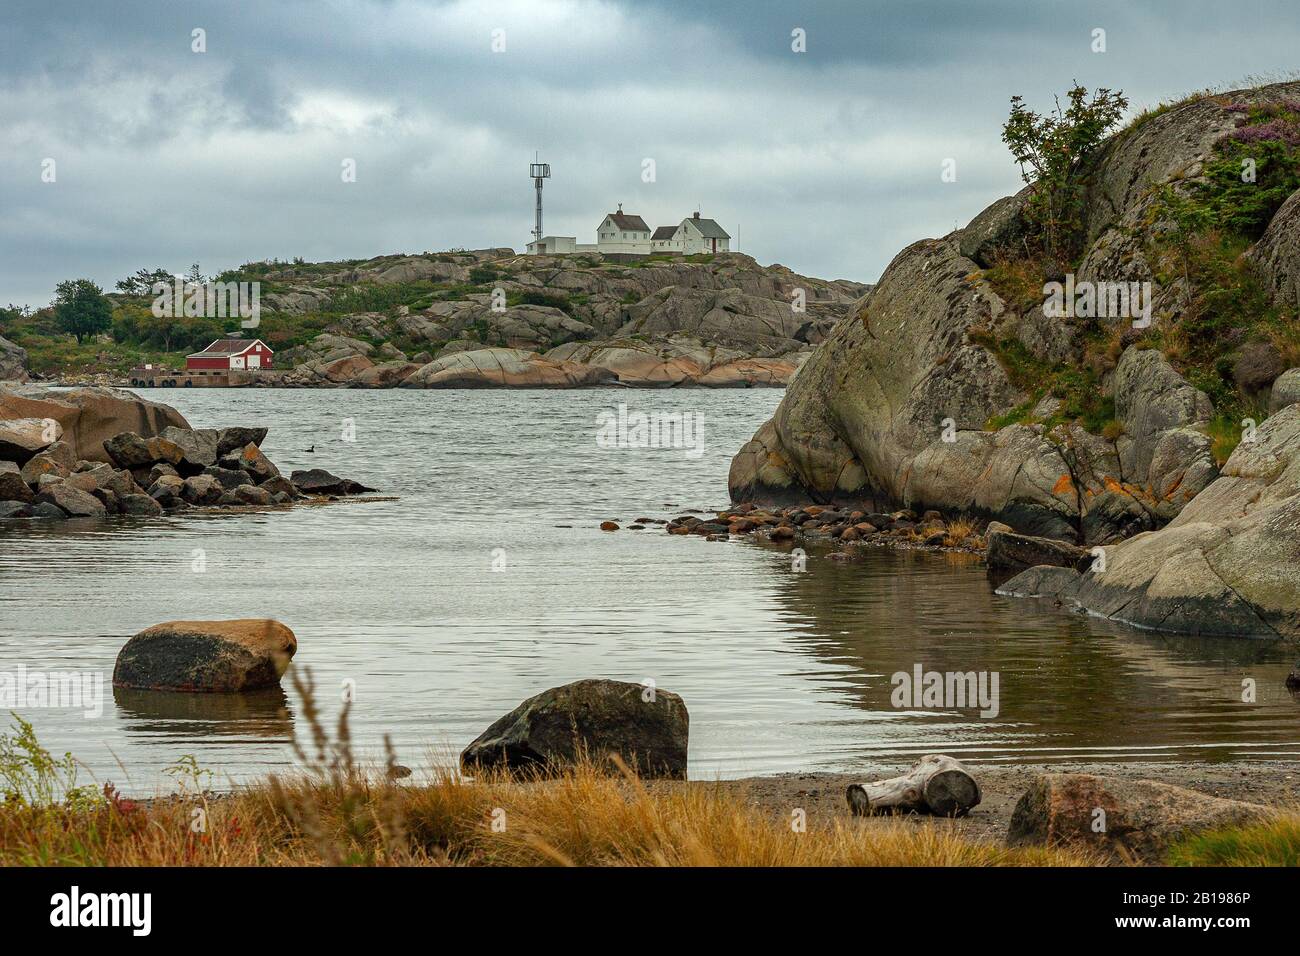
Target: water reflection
<point>1070,685</point>
<point>261,714</point>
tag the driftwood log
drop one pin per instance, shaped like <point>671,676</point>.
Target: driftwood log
<point>937,785</point>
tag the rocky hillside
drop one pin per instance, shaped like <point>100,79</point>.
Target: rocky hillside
<point>496,319</point>
<point>952,387</point>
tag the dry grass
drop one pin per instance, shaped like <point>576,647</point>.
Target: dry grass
<point>584,818</point>
<point>964,533</point>
<point>1017,276</point>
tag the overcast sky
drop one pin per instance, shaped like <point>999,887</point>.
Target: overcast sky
<point>828,161</point>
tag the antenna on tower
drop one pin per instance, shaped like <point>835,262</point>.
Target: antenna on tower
<point>539,172</point>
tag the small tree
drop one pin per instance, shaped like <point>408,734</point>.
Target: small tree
<point>1052,150</point>
<point>81,308</point>
<point>142,282</point>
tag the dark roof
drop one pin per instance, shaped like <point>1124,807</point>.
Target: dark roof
<point>228,347</point>
<point>630,223</point>
<point>665,232</point>
<point>709,228</point>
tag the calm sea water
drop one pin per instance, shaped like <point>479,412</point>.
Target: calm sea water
<point>780,670</point>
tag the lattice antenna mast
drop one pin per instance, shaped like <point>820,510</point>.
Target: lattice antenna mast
<point>540,173</point>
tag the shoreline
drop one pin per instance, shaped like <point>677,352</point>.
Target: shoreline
<point>682,385</point>
<point>821,795</point>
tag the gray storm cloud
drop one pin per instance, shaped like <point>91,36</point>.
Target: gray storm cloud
<point>828,161</point>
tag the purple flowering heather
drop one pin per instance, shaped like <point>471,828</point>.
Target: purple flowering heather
<point>1277,129</point>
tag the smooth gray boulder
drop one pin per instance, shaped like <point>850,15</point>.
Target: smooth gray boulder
<point>198,447</point>
<point>887,385</point>
<point>994,229</point>
<point>1286,390</point>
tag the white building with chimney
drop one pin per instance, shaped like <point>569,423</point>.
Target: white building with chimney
<point>691,236</point>
<point>621,233</point>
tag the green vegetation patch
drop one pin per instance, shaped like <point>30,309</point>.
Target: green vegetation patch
<point>1083,400</point>
<point>1267,844</point>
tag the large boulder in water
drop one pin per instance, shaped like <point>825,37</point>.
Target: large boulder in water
<point>89,416</point>
<point>318,481</point>
<point>1009,553</point>
<point>1138,818</point>
<point>645,727</point>
<point>889,384</point>
<point>206,656</point>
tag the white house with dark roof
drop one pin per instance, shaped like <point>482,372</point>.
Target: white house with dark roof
<point>691,236</point>
<point>621,232</point>
<point>702,235</point>
<point>665,239</point>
